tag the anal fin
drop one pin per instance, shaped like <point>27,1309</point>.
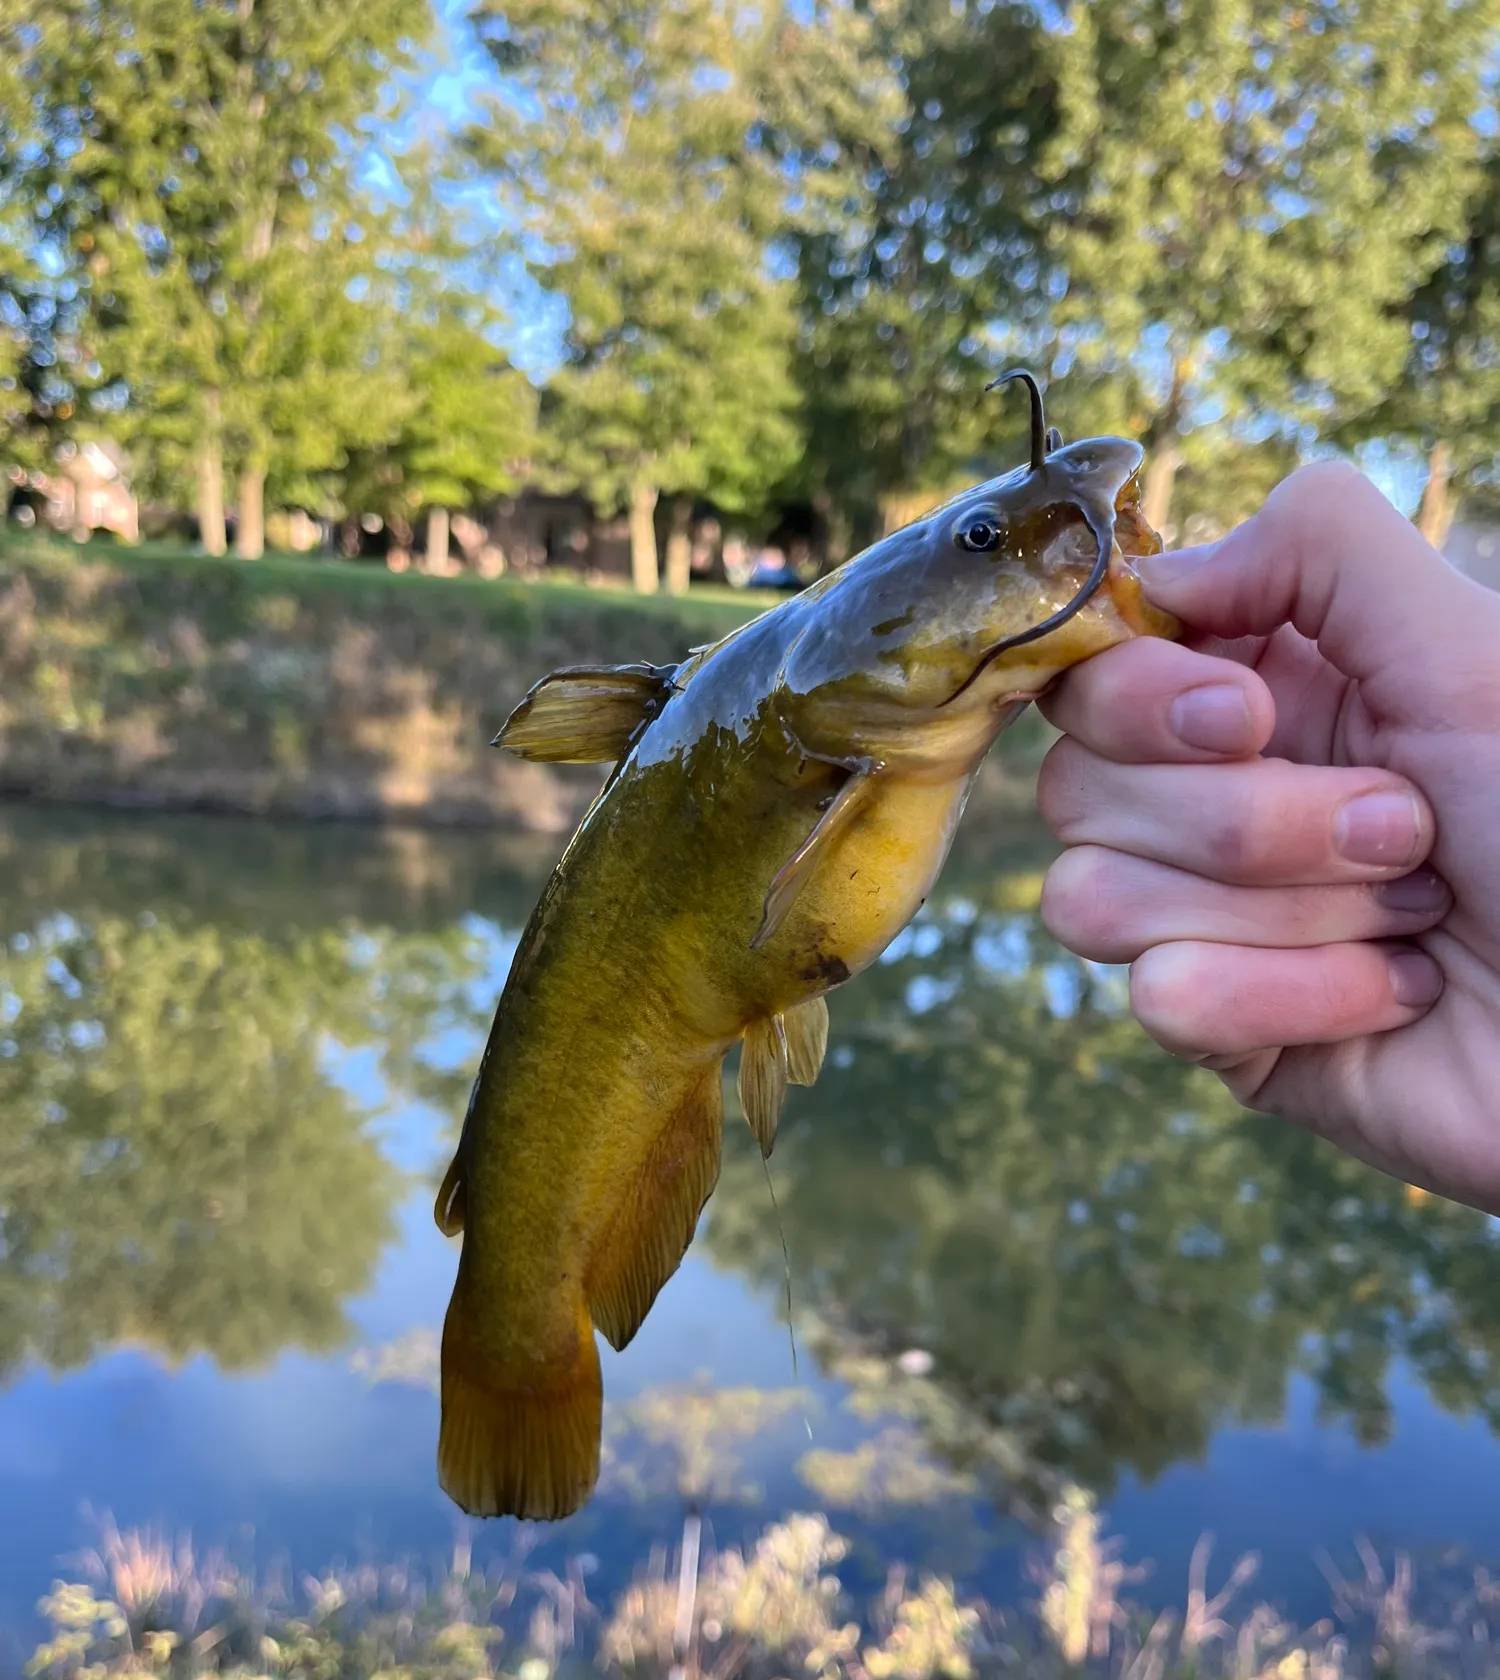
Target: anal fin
<point>645,1243</point>
<point>763,1077</point>
<point>806,1040</point>
<point>794,873</point>
<point>584,714</point>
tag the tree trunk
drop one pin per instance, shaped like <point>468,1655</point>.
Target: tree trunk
<point>437,539</point>
<point>209,466</point>
<point>837,535</point>
<point>1435,516</point>
<point>680,548</point>
<point>1162,451</point>
<point>1161,475</point>
<point>250,533</point>
<point>643,569</point>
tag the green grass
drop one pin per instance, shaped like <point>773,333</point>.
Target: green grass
<point>715,607</point>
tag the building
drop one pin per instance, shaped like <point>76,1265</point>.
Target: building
<point>89,491</point>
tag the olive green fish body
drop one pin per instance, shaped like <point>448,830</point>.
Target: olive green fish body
<point>781,805</point>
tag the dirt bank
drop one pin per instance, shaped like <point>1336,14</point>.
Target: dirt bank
<point>296,688</point>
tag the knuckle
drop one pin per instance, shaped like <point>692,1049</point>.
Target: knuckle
<point>1317,480</point>
<point>1320,497</point>
<point>1244,840</point>
<point>1229,849</point>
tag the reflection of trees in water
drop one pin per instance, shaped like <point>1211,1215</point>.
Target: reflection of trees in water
<point>1103,1257</point>
<point>179,1163</point>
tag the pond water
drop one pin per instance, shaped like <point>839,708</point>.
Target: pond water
<point>1026,1249</point>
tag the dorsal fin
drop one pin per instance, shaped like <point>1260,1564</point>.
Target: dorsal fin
<point>585,714</point>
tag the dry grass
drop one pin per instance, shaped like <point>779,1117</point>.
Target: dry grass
<point>146,1605</point>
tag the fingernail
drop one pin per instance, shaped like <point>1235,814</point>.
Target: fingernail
<point>1213,719</point>
<point>1416,980</point>
<point>1424,889</point>
<point>1172,563</point>
<point>1378,828</point>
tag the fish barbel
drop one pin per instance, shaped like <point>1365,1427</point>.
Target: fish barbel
<point>781,804</point>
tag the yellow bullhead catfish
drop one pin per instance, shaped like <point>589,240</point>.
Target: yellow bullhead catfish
<point>781,804</point>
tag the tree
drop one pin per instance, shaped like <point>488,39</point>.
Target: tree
<point>1447,401</point>
<point>626,151</point>
<point>1104,1260</point>
<point>1230,203</point>
<point>882,114</point>
<point>197,161</point>
<point>461,419</point>
<point>40,370</point>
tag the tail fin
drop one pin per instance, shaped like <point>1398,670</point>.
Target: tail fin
<point>523,1444</point>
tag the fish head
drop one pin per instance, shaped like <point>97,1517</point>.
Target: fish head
<point>1008,584</point>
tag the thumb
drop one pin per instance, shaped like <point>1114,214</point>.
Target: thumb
<point>1329,555</point>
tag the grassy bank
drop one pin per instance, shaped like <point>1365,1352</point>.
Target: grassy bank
<point>776,1607</point>
<point>154,677</point>
<point>288,686</point>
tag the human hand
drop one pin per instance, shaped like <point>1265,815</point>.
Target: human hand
<point>1289,826</point>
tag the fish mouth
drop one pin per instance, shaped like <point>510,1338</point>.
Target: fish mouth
<point>1100,478</point>
<point>1135,540</point>
<point>1104,485</point>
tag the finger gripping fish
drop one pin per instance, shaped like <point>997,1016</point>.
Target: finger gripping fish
<point>781,804</point>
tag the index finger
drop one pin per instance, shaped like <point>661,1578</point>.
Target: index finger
<point>1156,702</point>
<point>1329,555</point>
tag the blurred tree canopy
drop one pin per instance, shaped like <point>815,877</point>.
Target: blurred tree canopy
<point>180,1164</point>
<point>460,421</point>
<point>790,242</point>
<point>629,154</point>
<point>1102,1260</point>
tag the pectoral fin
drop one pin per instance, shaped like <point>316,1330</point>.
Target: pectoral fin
<point>763,1077</point>
<point>649,1236</point>
<point>795,872</point>
<point>806,1040</point>
<point>584,714</point>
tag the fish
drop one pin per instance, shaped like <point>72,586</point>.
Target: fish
<point>780,804</point>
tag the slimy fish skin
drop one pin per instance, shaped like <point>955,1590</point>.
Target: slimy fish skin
<point>780,806</point>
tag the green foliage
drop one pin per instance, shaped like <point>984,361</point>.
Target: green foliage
<point>627,150</point>
<point>1221,208</point>
<point>193,172</point>
<point>890,111</point>
<point>1446,402</point>
<point>1096,1258</point>
<point>463,425</point>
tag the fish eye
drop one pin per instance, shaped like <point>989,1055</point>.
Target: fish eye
<point>979,536</point>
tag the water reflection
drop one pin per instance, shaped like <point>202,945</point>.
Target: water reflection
<point>179,1165</point>
<point>1022,1240</point>
<point>1103,1258</point>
